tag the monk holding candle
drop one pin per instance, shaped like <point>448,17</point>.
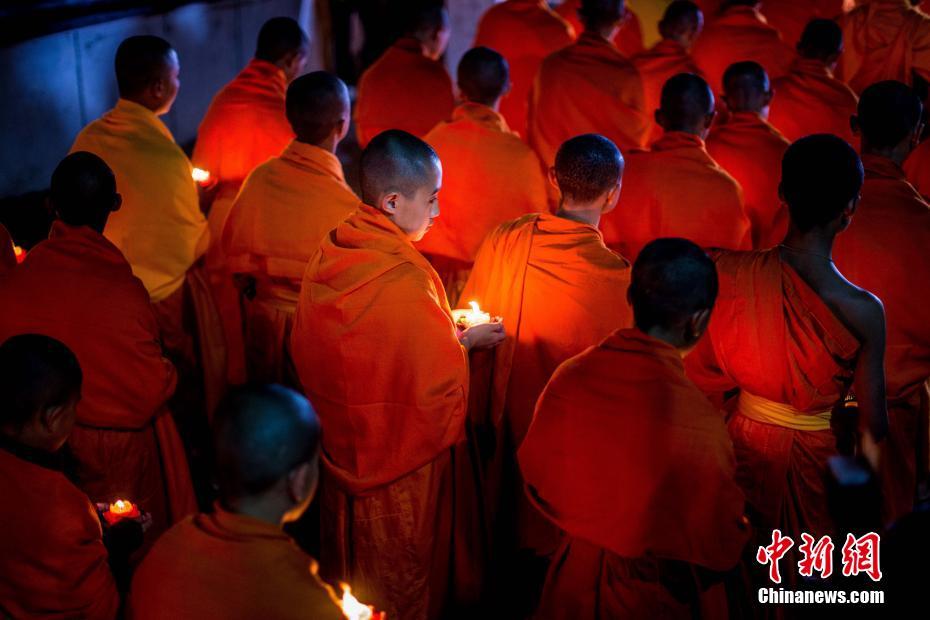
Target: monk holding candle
<point>376,349</point>
<point>750,149</point>
<point>810,99</point>
<point>479,150</point>
<point>677,189</point>
<point>408,87</point>
<point>78,288</point>
<point>588,87</point>
<point>629,37</point>
<point>236,562</point>
<point>286,207</point>
<point>646,500</point>
<point>884,251</point>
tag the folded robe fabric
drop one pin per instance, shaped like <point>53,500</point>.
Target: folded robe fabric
<point>665,59</point>
<point>809,100</point>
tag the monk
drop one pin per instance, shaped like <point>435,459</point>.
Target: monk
<point>739,32</point>
<point>483,156</point>
<point>681,24</point>
<point>810,99</point>
<point>677,189</point>
<point>647,503</point>
<point>77,287</point>
<point>286,207</point>
<point>408,87</point>
<point>377,351</point>
<point>885,40</point>
<point>750,149</point>
<point>629,37</point>
<point>7,254</point>
<point>524,32</point>
<point>790,17</point>
<point>792,334</point>
<point>588,87</point>
<point>236,562</point>
<point>884,251</point>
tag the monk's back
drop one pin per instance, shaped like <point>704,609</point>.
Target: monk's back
<point>810,100</point>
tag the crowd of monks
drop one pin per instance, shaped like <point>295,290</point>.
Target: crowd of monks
<point>702,265</point>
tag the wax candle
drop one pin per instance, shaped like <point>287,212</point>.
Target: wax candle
<point>469,318</point>
<point>121,509</point>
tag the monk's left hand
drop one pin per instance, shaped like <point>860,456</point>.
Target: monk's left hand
<point>483,336</point>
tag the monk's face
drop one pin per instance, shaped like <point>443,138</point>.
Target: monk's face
<point>165,90</point>
<point>414,214</point>
<point>437,44</point>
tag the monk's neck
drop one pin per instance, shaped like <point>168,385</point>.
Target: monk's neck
<point>585,214</point>
<point>808,251</point>
<point>267,510</point>
<point>144,103</point>
<point>896,154</point>
<point>494,105</point>
<point>329,144</point>
<point>671,337</point>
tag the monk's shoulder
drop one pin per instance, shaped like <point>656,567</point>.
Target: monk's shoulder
<point>859,310</point>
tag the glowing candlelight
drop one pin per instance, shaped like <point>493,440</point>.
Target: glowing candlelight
<point>200,175</point>
<point>121,509</point>
<point>19,253</point>
<point>469,318</point>
<point>354,610</point>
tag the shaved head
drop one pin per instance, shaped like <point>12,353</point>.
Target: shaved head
<point>595,14</point>
<point>395,161</point>
<point>889,113</point>
<point>483,76</point>
<point>687,104</point>
<point>83,191</point>
<point>317,104</point>
<point>746,87</point>
<point>426,18</point>
<point>279,37</point>
<point>681,19</point>
<point>587,167</point>
<point>822,39</point>
<point>141,61</point>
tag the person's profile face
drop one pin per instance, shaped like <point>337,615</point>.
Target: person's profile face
<point>170,83</point>
<point>61,421</point>
<point>437,46</point>
<point>415,214</point>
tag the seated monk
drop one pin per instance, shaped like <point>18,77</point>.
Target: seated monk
<point>236,562</point>
<point>884,251</point>
<point>524,32</point>
<point>629,37</point>
<point>790,17</point>
<point>792,335</point>
<point>810,100</point>
<point>750,149</point>
<point>588,87</point>
<point>78,287</point>
<point>376,349</point>
<point>408,87</point>
<point>677,189</point>
<point>7,253</point>
<point>52,557</point>
<point>681,24</point>
<point>482,156</point>
<point>285,208</point>
<point>647,502</point>
<point>885,40</point>
<point>739,32</point>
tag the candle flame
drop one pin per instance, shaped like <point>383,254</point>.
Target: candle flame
<point>19,253</point>
<point>352,608</point>
<point>474,306</point>
<point>200,175</point>
<point>121,507</point>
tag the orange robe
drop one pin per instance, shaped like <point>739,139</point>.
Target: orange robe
<point>524,32</point>
<point>635,466</point>
<point>810,100</point>
<point>226,565</point>
<point>790,17</point>
<point>740,33</point>
<point>377,353</point>
<point>775,339</point>
<point>587,87</point>
<point>656,65</point>
<point>52,559</point>
<point>403,90</point>
<point>7,255</point>
<point>489,177</point>
<point>750,149</point>
<point>884,251</point>
<point>285,208</point>
<point>884,40</point>
<point>676,190</point>
<point>629,38</point>
<point>77,287</point>
<point>917,168</point>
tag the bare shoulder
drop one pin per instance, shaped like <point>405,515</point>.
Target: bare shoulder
<point>859,309</point>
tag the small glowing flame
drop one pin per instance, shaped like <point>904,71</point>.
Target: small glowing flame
<point>352,608</point>
<point>200,175</point>
<point>121,507</point>
<point>19,253</point>
<point>468,318</point>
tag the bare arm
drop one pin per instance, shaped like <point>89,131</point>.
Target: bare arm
<point>868,317</point>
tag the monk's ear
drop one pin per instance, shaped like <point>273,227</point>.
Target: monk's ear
<point>781,192</point>
<point>553,179</point>
<point>59,420</point>
<point>388,203</point>
<point>854,125</point>
<point>767,98</point>
<point>709,120</point>
<point>697,325</point>
<point>612,197</point>
<point>117,202</point>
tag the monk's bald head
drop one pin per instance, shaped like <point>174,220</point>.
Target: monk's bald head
<point>587,168</point>
<point>888,117</point>
<point>821,175</point>
<point>428,22</point>
<point>687,105</point>
<point>746,87</point>
<point>141,63</point>
<point>318,109</point>
<point>596,15</point>
<point>682,22</point>
<point>262,434</point>
<point>822,40</point>
<point>483,76</point>
<point>83,191</point>
<point>282,42</point>
<point>395,161</point>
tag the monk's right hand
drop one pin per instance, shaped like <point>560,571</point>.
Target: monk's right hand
<point>484,336</point>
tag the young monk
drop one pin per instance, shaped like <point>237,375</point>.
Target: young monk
<point>629,37</point>
<point>236,562</point>
<point>681,24</point>
<point>284,210</point>
<point>480,150</point>
<point>376,349</point>
<point>791,17</point>
<point>408,87</point>
<point>750,149</point>
<point>677,188</point>
<point>78,288</point>
<point>884,251</point>
<point>792,334</point>
<point>52,557</point>
<point>885,40</point>
<point>588,87</point>
<point>524,32</point>
<point>810,100</point>
<point>647,500</point>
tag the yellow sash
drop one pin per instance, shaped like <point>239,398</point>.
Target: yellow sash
<point>770,412</point>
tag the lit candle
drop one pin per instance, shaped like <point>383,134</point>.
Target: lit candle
<point>354,610</point>
<point>200,176</point>
<point>469,318</point>
<point>121,509</point>
<point>19,253</point>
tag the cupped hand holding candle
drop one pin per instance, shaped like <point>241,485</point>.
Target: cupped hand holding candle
<point>119,510</point>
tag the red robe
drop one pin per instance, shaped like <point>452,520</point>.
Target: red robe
<point>810,100</point>
<point>52,560</point>
<point>77,287</point>
<point>917,168</point>
<point>644,489</point>
<point>884,252</point>
<point>629,37</point>
<point>524,32</point>
<point>676,190</point>
<point>656,65</point>
<point>750,149</point>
